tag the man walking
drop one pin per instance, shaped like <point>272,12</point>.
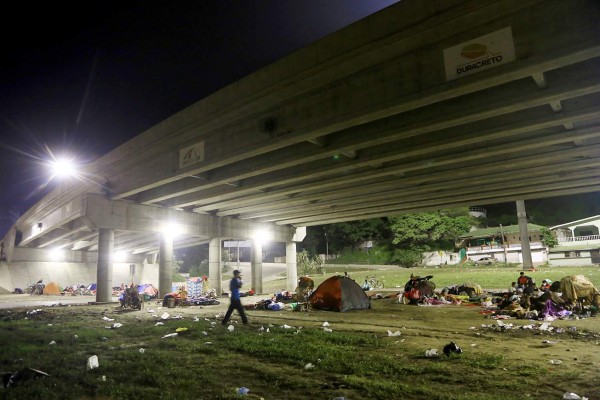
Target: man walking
<point>234,288</point>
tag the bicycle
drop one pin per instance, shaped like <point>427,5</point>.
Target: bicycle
<point>375,283</point>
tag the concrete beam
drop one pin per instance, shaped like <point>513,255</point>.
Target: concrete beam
<point>121,215</point>
<point>317,113</point>
<point>447,115</point>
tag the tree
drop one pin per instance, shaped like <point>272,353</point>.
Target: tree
<point>430,230</point>
<point>548,237</point>
<point>191,257</point>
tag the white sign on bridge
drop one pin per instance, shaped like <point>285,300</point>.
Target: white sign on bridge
<point>485,52</point>
<point>237,243</point>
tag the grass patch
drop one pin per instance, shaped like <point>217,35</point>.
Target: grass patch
<point>356,360</point>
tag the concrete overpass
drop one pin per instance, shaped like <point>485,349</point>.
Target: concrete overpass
<point>423,105</point>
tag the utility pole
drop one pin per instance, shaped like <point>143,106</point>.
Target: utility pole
<point>524,233</point>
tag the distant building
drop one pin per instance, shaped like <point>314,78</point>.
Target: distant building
<point>503,244</point>
<point>578,242</point>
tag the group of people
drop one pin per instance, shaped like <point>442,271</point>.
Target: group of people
<point>526,284</point>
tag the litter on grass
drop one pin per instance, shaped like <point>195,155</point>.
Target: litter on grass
<point>92,362</point>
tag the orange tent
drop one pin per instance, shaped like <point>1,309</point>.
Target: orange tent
<point>339,293</point>
<point>52,288</point>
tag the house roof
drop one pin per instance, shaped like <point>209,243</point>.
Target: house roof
<point>577,222</point>
<point>489,232</point>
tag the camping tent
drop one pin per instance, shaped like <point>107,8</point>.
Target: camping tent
<point>92,286</point>
<point>52,288</point>
<point>339,293</point>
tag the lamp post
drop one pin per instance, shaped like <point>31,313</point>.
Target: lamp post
<point>326,246</point>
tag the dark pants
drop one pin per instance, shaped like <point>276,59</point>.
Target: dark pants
<point>236,304</point>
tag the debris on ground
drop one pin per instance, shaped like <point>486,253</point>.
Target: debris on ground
<point>431,353</point>
<point>451,348</point>
<point>16,378</point>
<point>92,362</point>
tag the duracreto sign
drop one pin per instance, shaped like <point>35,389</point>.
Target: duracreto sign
<point>484,52</point>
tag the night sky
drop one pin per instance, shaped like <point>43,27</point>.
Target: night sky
<point>82,78</point>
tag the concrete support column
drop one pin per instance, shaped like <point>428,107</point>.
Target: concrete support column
<point>215,274</point>
<point>104,270</point>
<point>165,265</point>
<point>524,233</point>
<point>256,267</point>
<point>291,268</point>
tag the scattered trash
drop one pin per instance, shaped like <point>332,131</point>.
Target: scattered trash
<point>556,362</point>
<point>286,326</point>
<point>473,344</point>
<point>196,319</point>
<point>549,342</point>
<point>151,311</point>
<point>309,366</point>
<point>92,362</point>
<point>207,342</point>
<point>181,330</point>
<point>114,326</point>
<point>397,333</point>
<point>13,379</point>
<point>52,342</point>
<point>75,337</point>
<point>159,323</point>
<point>104,338</point>
<point>165,315</point>
<point>431,353</point>
<point>573,396</point>
<point>243,390</point>
<point>451,348</point>
<point>230,328</point>
<point>49,324</point>
<point>142,350</point>
<point>205,333</point>
<point>544,326</point>
<point>327,330</point>
<point>325,323</point>
<point>170,335</point>
<point>103,378</point>
<point>108,319</point>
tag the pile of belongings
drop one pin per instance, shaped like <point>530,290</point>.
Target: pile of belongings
<point>269,304</point>
<point>283,295</point>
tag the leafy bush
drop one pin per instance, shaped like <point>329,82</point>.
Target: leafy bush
<point>376,255</point>
<point>308,265</point>
<point>407,258</point>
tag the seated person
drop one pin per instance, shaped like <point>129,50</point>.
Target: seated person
<point>523,280</point>
<point>412,282</point>
<point>545,285</point>
<point>365,285</point>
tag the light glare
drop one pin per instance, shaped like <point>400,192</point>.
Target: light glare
<point>63,168</point>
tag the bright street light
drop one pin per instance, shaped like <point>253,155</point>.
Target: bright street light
<point>262,236</point>
<point>63,167</point>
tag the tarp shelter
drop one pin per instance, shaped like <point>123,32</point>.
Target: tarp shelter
<point>578,286</point>
<point>92,286</point>
<point>52,288</point>
<point>339,293</point>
